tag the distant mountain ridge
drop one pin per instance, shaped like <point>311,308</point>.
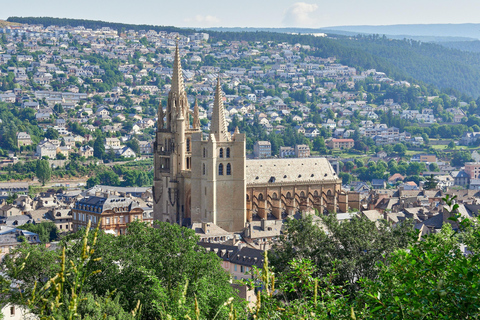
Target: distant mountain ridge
<point>333,31</point>
<point>464,30</point>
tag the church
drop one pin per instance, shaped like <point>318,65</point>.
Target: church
<point>200,178</point>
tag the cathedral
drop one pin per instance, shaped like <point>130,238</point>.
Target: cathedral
<point>200,178</point>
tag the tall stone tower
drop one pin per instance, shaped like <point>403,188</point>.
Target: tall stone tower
<point>218,178</point>
<point>173,153</point>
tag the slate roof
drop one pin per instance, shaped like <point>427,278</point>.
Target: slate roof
<point>9,236</point>
<point>93,203</point>
<point>298,170</point>
<point>239,255</point>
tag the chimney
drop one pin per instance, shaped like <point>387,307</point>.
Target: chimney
<point>205,227</point>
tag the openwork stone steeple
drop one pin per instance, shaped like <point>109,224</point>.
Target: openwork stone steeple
<point>219,126</point>
<point>177,76</point>
<point>177,97</point>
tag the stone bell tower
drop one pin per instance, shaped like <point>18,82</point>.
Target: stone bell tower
<point>172,153</point>
<point>218,178</point>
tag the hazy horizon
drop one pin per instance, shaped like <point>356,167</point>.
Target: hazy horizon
<point>249,13</point>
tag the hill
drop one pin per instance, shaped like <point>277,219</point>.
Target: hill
<point>410,60</point>
<point>471,46</point>
<point>4,23</point>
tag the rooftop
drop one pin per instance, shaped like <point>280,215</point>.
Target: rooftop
<point>268,171</point>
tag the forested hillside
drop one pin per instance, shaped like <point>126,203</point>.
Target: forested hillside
<point>428,62</point>
<point>472,46</point>
<point>401,59</point>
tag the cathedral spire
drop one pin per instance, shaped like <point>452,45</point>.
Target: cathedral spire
<point>219,125</point>
<point>196,117</point>
<point>177,76</point>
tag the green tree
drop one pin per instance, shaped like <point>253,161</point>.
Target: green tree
<point>460,157</point>
<point>130,178</point>
<point>93,181</point>
<point>143,179</point>
<point>58,108</point>
<point>431,279</point>
<point>349,165</point>
<point>351,248</point>
<point>431,183</point>
<point>108,178</point>
<point>433,167</point>
<point>94,307</point>
<point>154,265</point>
<point>416,168</point>
<point>319,144</point>
<point>99,148</point>
<point>51,134</point>
<point>134,145</point>
<point>400,149</point>
<point>43,171</point>
<point>47,231</point>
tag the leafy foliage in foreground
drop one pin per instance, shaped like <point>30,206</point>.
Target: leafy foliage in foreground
<point>350,250</point>
<point>157,272</point>
<point>154,273</point>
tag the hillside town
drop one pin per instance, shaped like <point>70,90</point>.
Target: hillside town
<point>86,101</point>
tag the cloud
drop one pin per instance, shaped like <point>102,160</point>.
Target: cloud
<point>300,14</point>
<point>203,20</point>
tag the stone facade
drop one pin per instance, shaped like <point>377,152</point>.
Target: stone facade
<point>115,213</point>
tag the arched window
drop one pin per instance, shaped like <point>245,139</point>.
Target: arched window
<point>260,197</point>
<point>315,193</point>
<point>221,153</point>
<point>289,195</point>
<point>329,192</point>
<point>188,144</point>
<point>204,152</point>
<point>302,194</point>
<point>204,169</point>
<point>248,198</point>
<point>229,169</point>
<point>274,196</point>
<point>228,152</point>
<point>220,169</point>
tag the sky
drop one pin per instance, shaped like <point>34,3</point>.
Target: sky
<point>251,13</point>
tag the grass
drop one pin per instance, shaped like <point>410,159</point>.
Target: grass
<point>413,152</point>
<point>439,147</point>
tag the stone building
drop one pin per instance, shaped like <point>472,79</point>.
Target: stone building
<point>208,179</point>
<point>262,149</point>
<point>23,139</point>
<point>302,151</point>
<point>115,213</point>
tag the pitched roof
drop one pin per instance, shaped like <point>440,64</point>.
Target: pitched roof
<point>270,171</point>
<point>236,254</point>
